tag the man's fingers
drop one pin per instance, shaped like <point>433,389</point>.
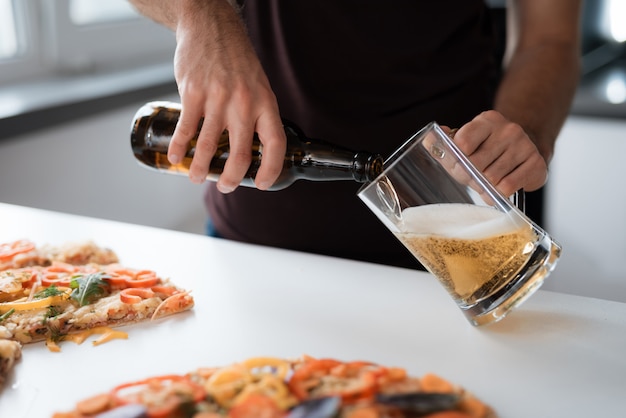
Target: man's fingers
<point>239,158</point>
<point>186,129</point>
<point>273,138</point>
<point>206,145</point>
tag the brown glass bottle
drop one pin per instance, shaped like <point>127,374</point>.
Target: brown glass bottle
<point>306,158</point>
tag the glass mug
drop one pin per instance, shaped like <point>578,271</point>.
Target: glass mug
<point>484,250</point>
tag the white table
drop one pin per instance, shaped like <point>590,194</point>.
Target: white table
<point>557,356</point>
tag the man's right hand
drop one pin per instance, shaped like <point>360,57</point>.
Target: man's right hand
<point>220,79</point>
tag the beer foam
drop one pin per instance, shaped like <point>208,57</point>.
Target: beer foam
<point>457,220</point>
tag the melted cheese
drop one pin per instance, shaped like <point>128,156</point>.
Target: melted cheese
<point>106,334</point>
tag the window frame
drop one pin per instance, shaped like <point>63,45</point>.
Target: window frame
<point>28,62</point>
<point>102,45</point>
<point>51,45</point>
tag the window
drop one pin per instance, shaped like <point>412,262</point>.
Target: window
<point>44,38</point>
<point>8,37</point>
<point>86,12</point>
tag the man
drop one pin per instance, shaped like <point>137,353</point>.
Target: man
<point>365,74</point>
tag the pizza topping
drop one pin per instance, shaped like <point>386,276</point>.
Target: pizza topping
<point>107,334</point>
<point>13,283</point>
<point>119,276</point>
<point>264,376</point>
<point>135,294</point>
<point>33,304</point>
<point>163,396</point>
<point>11,249</point>
<point>256,406</point>
<point>52,290</point>
<point>351,381</point>
<point>59,273</point>
<point>7,314</point>
<point>88,288</point>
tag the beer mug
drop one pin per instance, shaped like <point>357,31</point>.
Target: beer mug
<point>483,249</point>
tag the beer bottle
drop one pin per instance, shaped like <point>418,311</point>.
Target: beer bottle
<point>306,158</point>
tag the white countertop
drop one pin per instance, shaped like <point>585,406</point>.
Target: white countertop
<point>556,356</point>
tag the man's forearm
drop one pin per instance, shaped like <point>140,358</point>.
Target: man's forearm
<point>169,12</point>
<point>542,67</point>
<point>538,89</point>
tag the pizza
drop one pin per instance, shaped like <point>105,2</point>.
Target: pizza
<point>69,292</point>
<point>10,353</point>
<point>268,387</point>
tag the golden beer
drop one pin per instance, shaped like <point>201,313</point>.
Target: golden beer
<point>473,250</point>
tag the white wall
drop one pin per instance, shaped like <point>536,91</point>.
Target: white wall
<point>87,168</point>
<point>586,208</point>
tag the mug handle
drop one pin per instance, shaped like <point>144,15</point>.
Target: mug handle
<point>519,200</point>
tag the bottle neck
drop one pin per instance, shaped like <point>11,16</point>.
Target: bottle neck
<point>315,159</point>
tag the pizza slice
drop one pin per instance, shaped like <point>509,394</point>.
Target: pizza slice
<point>24,253</point>
<point>279,388</point>
<point>10,353</point>
<point>68,302</point>
<point>68,292</point>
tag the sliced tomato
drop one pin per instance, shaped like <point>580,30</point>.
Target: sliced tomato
<point>58,273</point>
<point>126,277</point>
<point>116,280</point>
<point>11,249</point>
<point>132,295</point>
<point>142,282</point>
<point>58,279</point>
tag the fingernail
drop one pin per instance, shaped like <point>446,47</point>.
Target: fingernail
<point>264,185</point>
<point>225,188</point>
<point>197,179</point>
<point>174,159</point>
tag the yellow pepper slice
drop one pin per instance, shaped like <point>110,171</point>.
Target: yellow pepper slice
<point>33,304</point>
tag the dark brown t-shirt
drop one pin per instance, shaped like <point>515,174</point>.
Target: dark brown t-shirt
<point>365,74</point>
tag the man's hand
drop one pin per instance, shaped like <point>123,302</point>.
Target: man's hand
<point>220,80</point>
<point>503,152</point>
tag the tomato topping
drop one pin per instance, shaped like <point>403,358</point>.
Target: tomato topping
<point>125,277</point>
<point>58,279</point>
<point>59,274</point>
<point>132,295</point>
<point>11,249</point>
<point>162,395</point>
